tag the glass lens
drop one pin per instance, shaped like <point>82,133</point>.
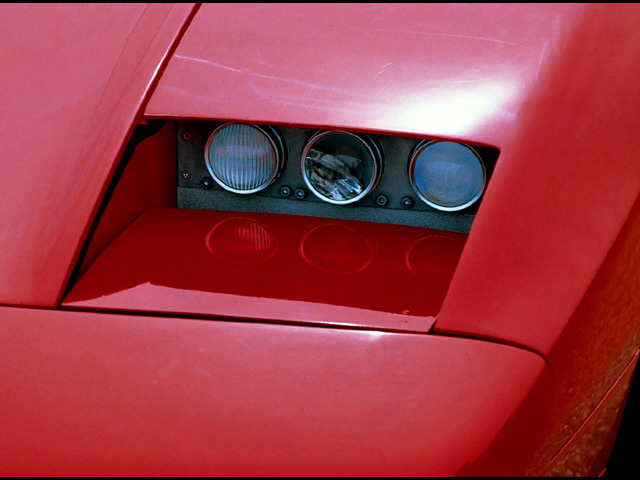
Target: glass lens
<point>448,176</point>
<point>339,167</point>
<point>242,158</point>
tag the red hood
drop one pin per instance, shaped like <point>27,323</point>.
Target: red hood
<point>441,70</point>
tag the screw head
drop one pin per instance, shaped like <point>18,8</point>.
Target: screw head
<point>285,191</point>
<point>206,182</point>
<point>186,174</point>
<point>381,200</point>
<point>406,202</point>
<point>186,136</point>
<point>300,193</point>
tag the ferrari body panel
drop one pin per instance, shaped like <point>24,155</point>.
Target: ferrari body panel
<point>105,394</point>
<point>560,195</point>
<point>437,70</point>
<point>137,339</point>
<point>551,88</point>
<point>78,80</point>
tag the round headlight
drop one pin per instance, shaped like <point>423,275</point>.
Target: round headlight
<point>243,158</point>
<point>340,167</point>
<point>447,176</point>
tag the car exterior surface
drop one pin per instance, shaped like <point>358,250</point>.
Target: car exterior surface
<point>151,324</point>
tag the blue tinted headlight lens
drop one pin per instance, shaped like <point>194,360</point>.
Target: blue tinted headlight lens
<point>447,176</point>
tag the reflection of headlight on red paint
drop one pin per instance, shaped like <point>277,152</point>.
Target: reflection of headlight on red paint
<point>336,249</point>
<point>241,240</point>
<point>435,256</point>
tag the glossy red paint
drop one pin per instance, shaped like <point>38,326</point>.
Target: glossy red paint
<point>551,264</point>
<point>575,295</point>
<point>567,176</point>
<point>149,180</point>
<point>105,394</point>
<point>428,69</point>
<point>75,79</point>
<point>273,267</point>
<point>565,182</point>
<point>560,194</point>
<point>520,217</point>
<point>558,228</point>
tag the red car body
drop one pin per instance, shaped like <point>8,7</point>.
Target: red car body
<point>518,364</point>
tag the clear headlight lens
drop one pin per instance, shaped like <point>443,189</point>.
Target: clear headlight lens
<point>340,167</point>
<point>447,176</point>
<point>243,158</point>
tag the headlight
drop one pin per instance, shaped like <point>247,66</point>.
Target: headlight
<point>340,167</point>
<point>243,158</point>
<point>447,176</point>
